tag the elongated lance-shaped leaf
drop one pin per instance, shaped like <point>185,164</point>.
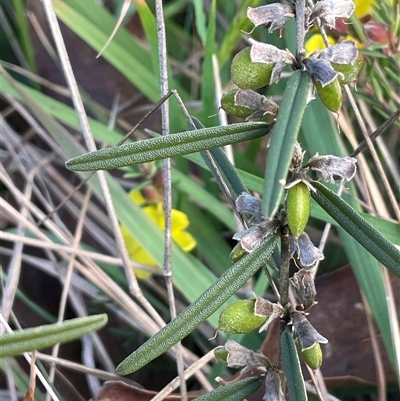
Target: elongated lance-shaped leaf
<point>237,391</point>
<point>166,146</point>
<point>35,338</point>
<point>292,368</point>
<point>370,238</point>
<point>199,310</point>
<point>222,169</point>
<point>283,138</point>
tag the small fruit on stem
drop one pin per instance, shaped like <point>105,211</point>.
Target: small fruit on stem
<point>238,317</point>
<point>330,94</point>
<point>348,72</point>
<point>298,203</point>
<point>229,106</point>
<point>249,75</point>
<point>313,356</point>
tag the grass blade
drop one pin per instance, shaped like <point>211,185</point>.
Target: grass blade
<point>210,108</point>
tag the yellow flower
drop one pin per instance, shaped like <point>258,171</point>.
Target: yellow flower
<point>363,7</point>
<point>315,42</point>
<point>358,43</point>
<point>155,211</point>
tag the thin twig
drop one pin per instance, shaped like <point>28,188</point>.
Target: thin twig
<point>14,269</point>
<point>222,117</point>
<point>379,131</point>
<point>77,367</point>
<point>190,371</point>
<point>88,137</point>
<point>167,266</point>
<point>67,279</point>
<point>69,250</point>
<point>375,157</point>
<point>300,30</point>
<point>285,265</point>
<point>376,353</point>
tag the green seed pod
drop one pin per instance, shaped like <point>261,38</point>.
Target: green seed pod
<point>330,95</point>
<point>313,356</point>
<point>238,317</point>
<point>248,75</point>
<point>349,71</point>
<point>221,354</point>
<point>237,253</point>
<point>228,104</point>
<point>298,205</point>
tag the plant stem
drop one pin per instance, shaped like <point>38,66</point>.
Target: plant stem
<point>284,271</point>
<point>300,31</point>
<point>167,266</point>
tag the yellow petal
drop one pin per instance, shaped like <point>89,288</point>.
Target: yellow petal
<point>142,274</point>
<point>363,7</point>
<point>156,214</point>
<point>315,42</point>
<point>358,43</point>
<point>137,253</point>
<point>179,220</point>
<point>185,240</point>
<point>137,197</point>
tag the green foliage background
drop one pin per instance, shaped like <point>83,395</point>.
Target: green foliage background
<point>202,30</point>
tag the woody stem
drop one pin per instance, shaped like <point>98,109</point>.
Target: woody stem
<point>284,270</point>
<point>300,30</point>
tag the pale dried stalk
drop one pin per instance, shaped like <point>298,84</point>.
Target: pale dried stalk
<point>88,136</point>
<point>167,266</point>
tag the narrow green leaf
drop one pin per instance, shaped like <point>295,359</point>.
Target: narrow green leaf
<point>284,136</point>
<point>199,310</point>
<point>22,33</point>
<point>166,146</point>
<point>292,368</point>
<point>389,229</point>
<point>35,338</point>
<point>149,25</point>
<point>224,172</point>
<point>200,20</point>
<point>371,239</point>
<point>236,391</point>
